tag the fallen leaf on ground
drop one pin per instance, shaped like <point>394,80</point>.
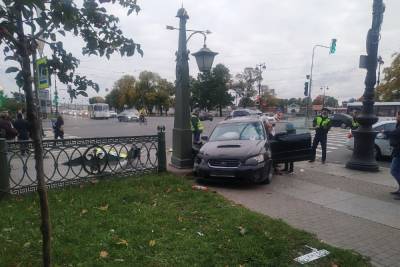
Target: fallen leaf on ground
<point>103,208</point>
<point>103,254</point>
<point>179,190</point>
<point>27,244</point>
<point>152,243</point>
<point>122,242</point>
<point>84,211</point>
<point>168,190</point>
<point>242,230</point>
<point>334,265</point>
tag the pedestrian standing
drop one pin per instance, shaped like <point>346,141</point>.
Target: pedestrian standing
<point>23,128</point>
<point>289,166</point>
<point>394,137</point>
<point>322,126</point>
<point>197,126</point>
<point>58,128</point>
<point>7,130</point>
<point>354,123</point>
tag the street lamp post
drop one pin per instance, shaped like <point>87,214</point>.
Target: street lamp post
<point>380,63</point>
<point>182,134</point>
<point>324,88</point>
<point>363,157</point>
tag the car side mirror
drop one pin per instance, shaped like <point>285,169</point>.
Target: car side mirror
<point>204,138</point>
<point>381,136</point>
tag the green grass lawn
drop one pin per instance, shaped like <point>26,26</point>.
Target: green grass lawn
<point>152,221</point>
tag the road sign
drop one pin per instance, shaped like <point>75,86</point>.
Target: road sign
<point>43,73</point>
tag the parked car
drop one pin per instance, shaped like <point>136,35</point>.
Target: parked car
<point>341,120</point>
<point>382,145</point>
<point>113,114</point>
<point>127,116</point>
<point>205,116</point>
<point>239,148</point>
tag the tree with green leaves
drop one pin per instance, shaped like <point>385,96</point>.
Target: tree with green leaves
<point>25,23</point>
<point>245,85</point>
<point>96,100</point>
<point>389,89</point>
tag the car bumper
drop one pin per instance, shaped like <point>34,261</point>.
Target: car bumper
<point>248,172</point>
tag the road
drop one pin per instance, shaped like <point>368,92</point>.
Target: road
<point>83,127</point>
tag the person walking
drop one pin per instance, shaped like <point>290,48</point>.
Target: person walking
<point>394,137</point>
<point>322,125</point>
<point>58,128</point>
<point>197,126</point>
<point>23,128</point>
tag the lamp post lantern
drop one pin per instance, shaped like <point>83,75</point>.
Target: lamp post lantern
<point>182,134</point>
<point>363,157</point>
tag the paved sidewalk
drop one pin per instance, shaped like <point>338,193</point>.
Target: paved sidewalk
<point>345,208</point>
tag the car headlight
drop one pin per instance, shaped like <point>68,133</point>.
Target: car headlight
<point>255,160</point>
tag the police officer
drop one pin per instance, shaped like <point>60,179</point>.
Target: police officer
<point>197,126</point>
<point>322,125</point>
<point>354,123</point>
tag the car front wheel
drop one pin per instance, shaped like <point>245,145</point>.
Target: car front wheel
<point>267,173</point>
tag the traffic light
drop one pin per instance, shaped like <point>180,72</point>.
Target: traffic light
<point>333,47</point>
<point>306,89</point>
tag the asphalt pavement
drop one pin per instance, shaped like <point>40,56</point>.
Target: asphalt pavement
<point>84,127</point>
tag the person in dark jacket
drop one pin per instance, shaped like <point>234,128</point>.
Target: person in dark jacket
<point>23,128</point>
<point>322,126</point>
<point>7,130</point>
<point>58,128</point>
<point>394,137</point>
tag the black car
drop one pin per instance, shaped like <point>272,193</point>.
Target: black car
<point>205,116</point>
<point>239,148</point>
<point>341,120</point>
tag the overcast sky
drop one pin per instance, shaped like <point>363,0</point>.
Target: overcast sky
<point>245,33</point>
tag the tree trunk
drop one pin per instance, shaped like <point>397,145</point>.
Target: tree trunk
<point>37,139</point>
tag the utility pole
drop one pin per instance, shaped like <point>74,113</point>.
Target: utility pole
<point>260,67</point>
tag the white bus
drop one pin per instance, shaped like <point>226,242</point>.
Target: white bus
<point>99,111</point>
<point>383,110</point>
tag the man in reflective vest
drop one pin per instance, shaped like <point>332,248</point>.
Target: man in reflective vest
<point>354,123</point>
<point>197,126</point>
<point>322,125</point>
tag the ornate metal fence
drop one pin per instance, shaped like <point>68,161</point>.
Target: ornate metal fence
<point>75,161</point>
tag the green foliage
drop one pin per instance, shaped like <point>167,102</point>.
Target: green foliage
<point>330,101</point>
<point>389,90</point>
<point>210,90</point>
<point>12,105</point>
<point>47,21</point>
<point>150,220</point>
<point>246,102</point>
<point>149,91</point>
<point>96,99</point>
<point>245,86</point>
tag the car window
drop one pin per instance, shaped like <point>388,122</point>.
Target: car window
<point>293,126</point>
<point>238,131</point>
<point>239,113</point>
<point>389,126</point>
<point>379,128</point>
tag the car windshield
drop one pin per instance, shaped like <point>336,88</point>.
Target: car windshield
<point>238,131</point>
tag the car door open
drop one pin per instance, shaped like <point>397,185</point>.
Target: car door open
<point>292,142</point>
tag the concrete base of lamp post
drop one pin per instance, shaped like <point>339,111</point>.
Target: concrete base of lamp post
<point>363,158</point>
<point>182,154</point>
